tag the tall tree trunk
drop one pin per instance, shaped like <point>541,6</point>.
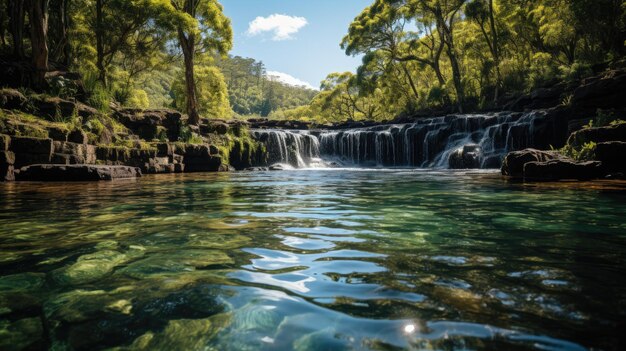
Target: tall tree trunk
<point>38,17</point>
<point>16,25</point>
<point>3,18</point>
<point>187,43</point>
<point>411,82</point>
<point>446,35</point>
<point>102,77</point>
<point>495,50</point>
<point>64,40</point>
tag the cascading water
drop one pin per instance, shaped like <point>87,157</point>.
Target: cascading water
<point>295,148</point>
<point>432,142</point>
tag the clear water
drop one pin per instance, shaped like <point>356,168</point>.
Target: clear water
<point>313,260</point>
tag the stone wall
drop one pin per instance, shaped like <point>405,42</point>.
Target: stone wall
<point>18,152</point>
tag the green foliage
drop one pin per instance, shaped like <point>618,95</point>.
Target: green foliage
<point>604,118</point>
<point>251,92</point>
<point>63,87</point>
<point>186,135</point>
<point>99,97</point>
<point>211,90</point>
<point>138,99</point>
<point>584,153</point>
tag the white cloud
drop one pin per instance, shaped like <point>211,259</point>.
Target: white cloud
<point>288,79</point>
<point>282,26</point>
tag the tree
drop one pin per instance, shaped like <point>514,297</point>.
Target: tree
<point>445,14</point>
<point>213,33</point>
<point>16,26</point>
<point>38,19</point>
<point>482,11</point>
<point>212,93</point>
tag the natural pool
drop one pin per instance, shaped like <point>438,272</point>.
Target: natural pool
<point>313,260</point>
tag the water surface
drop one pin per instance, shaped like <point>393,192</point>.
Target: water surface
<point>313,260</point>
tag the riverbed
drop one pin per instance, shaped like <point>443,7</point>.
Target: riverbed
<point>343,259</point>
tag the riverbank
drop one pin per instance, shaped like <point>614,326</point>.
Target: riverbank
<point>40,129</point>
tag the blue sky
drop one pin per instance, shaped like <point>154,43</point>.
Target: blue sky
<point>299,38</point>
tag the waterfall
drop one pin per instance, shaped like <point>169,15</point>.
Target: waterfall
<point>433,142</point>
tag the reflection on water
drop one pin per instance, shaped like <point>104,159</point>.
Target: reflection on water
<point>313,260</point>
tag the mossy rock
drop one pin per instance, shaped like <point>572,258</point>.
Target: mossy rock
<point>93,267</point>
<point>22,282</point>
<point>183,334</point>
<point>21,334</point>
<point>175,262</point>
<point>219,242</point>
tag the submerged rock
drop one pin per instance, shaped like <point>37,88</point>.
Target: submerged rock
<point>21,334</point>
<point>513,164</point>
<point>76,173</point>
<point>175,262</point>
<point>562,169</point>
<point>183,334</point>
<point>22,282</point>
<point>93,267</point>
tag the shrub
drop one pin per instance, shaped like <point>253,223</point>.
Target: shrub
<point>99,98</point>
<point>584,153</point>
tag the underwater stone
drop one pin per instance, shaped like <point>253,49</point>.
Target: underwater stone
<point>220,242</point>
<point>93,267</point>
<point>321,340</point>
<point>183,334</point>
<point>21,334</point>
<point>175,262</point>
<point>22,282</point>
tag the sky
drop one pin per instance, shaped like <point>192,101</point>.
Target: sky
<point>297,40</point>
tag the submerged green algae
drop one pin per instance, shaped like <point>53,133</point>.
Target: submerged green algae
<point>309,260</point>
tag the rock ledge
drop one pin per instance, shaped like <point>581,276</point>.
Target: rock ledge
<point>66,173</point>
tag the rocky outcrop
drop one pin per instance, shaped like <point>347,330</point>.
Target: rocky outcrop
<point>612,155</point>
<point>514,162</point>
<point>562,169</point>
<point>598,135</point>
<point>607,90</point>
<point>149,124</point>
<point>466,157</point>
<point>68,173</point>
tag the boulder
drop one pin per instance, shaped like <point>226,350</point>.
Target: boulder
<point>612,155</point>
<point>513,164</point>
<point>279,167</point>
<point>466,157</point>
<point>562,170</point>
<point>76,173</point>
<point>598,135</point>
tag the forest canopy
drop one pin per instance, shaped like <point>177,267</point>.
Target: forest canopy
<point>459,55</point>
